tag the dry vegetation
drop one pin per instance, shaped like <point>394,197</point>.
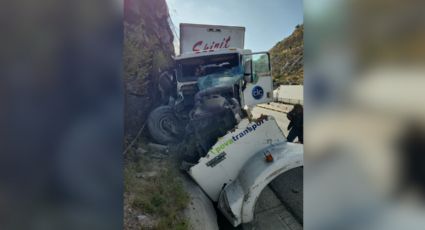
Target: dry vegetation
<point>287,58</point>
<point>154,196</point>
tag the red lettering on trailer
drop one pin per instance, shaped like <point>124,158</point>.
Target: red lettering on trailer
<point>195,47</point>
<point>200,45</point>
<point>227,42</point>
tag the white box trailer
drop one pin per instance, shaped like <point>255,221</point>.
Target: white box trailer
<point>197,37</point>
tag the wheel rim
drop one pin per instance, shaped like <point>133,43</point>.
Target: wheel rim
<point>168,124</point>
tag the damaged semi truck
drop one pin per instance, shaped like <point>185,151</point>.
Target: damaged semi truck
<point>211,90</point>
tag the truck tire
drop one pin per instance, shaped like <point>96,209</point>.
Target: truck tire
<point>164,126</point>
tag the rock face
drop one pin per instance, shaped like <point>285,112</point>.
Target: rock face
<point>148,50</point>
<point>287,59</point>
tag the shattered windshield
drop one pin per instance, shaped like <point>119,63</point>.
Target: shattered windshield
<point>194,69</point>
<point>222,78</point>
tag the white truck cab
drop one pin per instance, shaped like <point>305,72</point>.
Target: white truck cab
<point>212,74</point>
<point>252,70</point>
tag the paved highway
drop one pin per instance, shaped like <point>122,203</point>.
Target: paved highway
<point>280,117</point>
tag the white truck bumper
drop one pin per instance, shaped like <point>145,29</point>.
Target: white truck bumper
<point>237,200</point>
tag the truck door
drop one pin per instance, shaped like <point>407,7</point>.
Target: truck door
<point>259,86</point>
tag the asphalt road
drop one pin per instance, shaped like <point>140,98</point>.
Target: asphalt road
<point>272,214</point>
<point>280,117</point>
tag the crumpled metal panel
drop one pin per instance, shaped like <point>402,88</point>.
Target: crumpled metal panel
<point>223,162</point>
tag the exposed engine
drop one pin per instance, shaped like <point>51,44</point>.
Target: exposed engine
<point>215,112</point>
<point>204,103</point>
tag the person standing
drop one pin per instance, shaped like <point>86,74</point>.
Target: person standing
<point>295,127</point>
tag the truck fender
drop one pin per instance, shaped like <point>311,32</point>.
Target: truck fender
<point>237,199</point>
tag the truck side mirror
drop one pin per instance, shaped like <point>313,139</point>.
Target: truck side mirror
<point>248,71</point>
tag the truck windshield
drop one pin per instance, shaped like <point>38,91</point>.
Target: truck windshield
<point>192,69</point>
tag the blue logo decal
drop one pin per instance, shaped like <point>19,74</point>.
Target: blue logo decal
<point>257,92</point>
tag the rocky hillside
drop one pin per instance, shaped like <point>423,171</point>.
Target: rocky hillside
<point>154,197</point>
<point>287,58</point>
<point>148,48</point>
